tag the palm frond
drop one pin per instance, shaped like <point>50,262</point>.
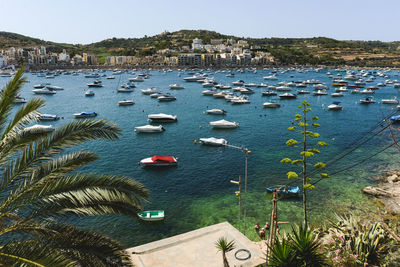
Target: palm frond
<point>25,115</point>
<point>79,194</point>
<point>71,134</point>
<point>8,96</point>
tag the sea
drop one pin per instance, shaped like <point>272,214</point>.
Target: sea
<point>198,192</point>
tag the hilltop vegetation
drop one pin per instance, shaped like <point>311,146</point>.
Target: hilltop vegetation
<point>317,50</point>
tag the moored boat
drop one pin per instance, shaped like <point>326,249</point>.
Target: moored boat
<point>216,111</point>
<point>159,161</point>
<point>161,117</point>
<point>212,141</point>
<point>151,215</point>
<point>285,190</point>
<point>149,129</point>
<point>224,124</point>
<point>85,115</point>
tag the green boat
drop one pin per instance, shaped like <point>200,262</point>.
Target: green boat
<point>151,215</point>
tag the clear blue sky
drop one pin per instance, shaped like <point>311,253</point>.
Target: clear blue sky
<point>87,21</point>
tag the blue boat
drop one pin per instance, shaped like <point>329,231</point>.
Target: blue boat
<point>292,191</point>
<point>395,119</point>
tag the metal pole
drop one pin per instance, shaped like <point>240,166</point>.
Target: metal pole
<point>239,199</point>
<point>245,191</point>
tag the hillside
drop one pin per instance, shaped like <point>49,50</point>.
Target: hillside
<point>317,50</point>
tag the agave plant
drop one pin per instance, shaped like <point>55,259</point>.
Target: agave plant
<point>299,248</point>
<point>224,246</point>
<point>368,242</point>
<point>40,188</point>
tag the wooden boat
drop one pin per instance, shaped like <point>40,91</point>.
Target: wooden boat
<point>292,191</point>
<point>151,215</point>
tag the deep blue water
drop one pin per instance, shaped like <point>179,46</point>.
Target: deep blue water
<point>198,192</point>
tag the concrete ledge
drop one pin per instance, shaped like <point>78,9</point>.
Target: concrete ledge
<point>196,248</point>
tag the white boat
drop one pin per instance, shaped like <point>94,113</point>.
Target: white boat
<point>337,94</point>
<point>126,102</point>
<point>283,88</point>
<point>367,91</point>
<point>44,91</point>
<point>48,117</point>
<point>239,82</point>
<point>207,84</point>
<point>151,215</point>
<point>85,115</point>
<point>39,86</point>
<point>39,129</point>
<point>149,129</point>
<point>110,78</point>
<point>136,79</point>
<point>271,77</point>
<point>320,92</point>
<point>209,92</point>
<point>223,124</point>
<point>240,100</point>
<point>19,100</point>
<point>161,117</point>
<point>212,141</point>
<point>320,86</point>
<point>335,106</point>
<point>271,105</point>
<point>54,87</point>
<point>216,111</point>
<point>176,86</point>
<point>288,96</point>
<point>126,89</point>
<point>367,100</point>
<point>303,92</point>
<point>393,101</point>
<point>149,91</point>
<point>89,93</point>
<point>96,83</point>
<point>166,98</point>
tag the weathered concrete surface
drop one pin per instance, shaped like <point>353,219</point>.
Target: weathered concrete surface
<point>388,192</point>
<point>197,248</point>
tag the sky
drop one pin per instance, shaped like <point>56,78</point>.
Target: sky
<point>88,21</point>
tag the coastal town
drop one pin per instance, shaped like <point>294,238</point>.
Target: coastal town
<point>218,53</point>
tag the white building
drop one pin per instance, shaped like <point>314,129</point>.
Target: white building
<point>63,56</point>
<point>3,61</point>
<point>197,44</point>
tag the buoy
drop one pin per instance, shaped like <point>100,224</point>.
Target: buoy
<point>248,152</point>
<point>200,126</point>
<point>166,191</point>
<point>195,141</point>
<point>138,163</point>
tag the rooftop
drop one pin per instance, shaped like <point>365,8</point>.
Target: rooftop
<point>197,248</point>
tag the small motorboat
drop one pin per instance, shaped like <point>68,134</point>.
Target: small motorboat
<point>395,119</point>
<point>126,89</point>
<point>39,129</point>
<point>151,215</point>
<point>303,92</point>
<point>19,100</point>
<point>367,91</point>
<point>239,82</point>
<point>85,115</point>
<point>340,94</point>
<point>176,86</point>
<point>240,100</point>
<point>159,161</point>
<point>39,86</point>
<point>216,111</point>
<point>224,124</point>
<point>209,92</point>
<point>149,91</point>
<point>268,93</point>
<point>288,96</point>
<point>161,117</point>
<point>320,92</point>
<point>136,79</point>
<point>212,141</point>
<point>292,191</point>
<point>393,101</point>
<point>96,83</point>
<point>110,77</point>
<point>126,102</point>
<point>89,93</point>
<point>166,98</point>
<point>54,87</point>
<point>367,100</point>
<point>271,105</point>
<point>149,129</point>
<point>44,91</point>
<point>48,117</point>
<point>335,106</point>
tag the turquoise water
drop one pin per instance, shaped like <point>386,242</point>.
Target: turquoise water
<point>198,192</point>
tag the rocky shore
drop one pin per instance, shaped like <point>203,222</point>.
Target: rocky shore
<point>388,191</point>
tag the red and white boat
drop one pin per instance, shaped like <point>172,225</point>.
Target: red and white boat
<point>159,161</point>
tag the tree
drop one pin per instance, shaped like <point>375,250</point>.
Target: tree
<point>40,188</point>
<point>224,246</point>
<point>308,151</point>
